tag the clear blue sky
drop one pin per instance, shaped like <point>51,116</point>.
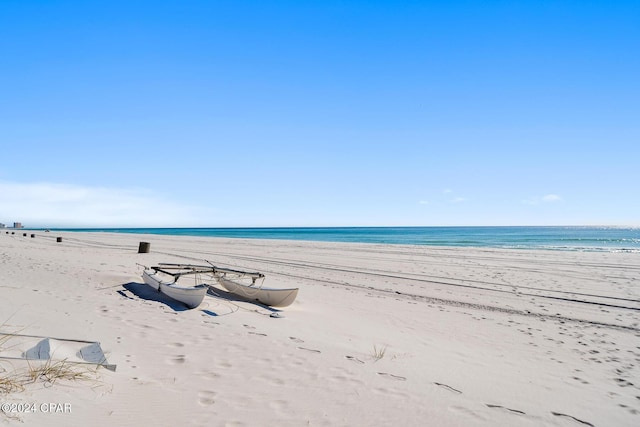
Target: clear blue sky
<point>319,113</point>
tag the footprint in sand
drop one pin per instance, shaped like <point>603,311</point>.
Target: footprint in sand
<point>248,326</point>
<point>581,380</point>
<point>210,375</point>
<point>128,360</point>
<point>395,377</point>
<point>258,333</point>
<point>177,360</point>
<point>622,382</point>
<point>224,364</point>
<point>206,398</point>
<point>294,339</point>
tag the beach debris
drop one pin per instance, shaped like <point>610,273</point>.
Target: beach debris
<point>558,414</point>
<point>354,359</point>
<point>395,377</point>
<point>448,387</point>
<point>515,411</point>
<point>34,347</point>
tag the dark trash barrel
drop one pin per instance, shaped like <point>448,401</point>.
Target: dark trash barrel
<point>58,239</point>
<point>33,235</point>
<point>144,248</point>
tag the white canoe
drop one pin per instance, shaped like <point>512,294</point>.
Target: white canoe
<point>267,296</point>
<point>191,296</point>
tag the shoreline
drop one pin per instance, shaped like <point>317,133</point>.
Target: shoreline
<point>555,238</point>
<point>379,334</point>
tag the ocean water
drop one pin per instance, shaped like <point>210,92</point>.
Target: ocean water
<point>609,239</point>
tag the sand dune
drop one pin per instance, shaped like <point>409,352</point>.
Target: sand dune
<point>379,335</point>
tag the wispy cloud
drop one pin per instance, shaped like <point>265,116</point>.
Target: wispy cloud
<point>52,204</point>
<point>458,200</point>
<point>550,198</point>
<point>423,202</point>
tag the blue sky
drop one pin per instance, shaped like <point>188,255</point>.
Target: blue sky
<point>319,113</point>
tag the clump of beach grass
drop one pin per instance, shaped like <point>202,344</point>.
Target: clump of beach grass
<point>9,382</point>
<point>47,372</point>
<point>378,352</point>
<point>52,371</point>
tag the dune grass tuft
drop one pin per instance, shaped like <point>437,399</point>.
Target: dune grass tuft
<point>51,371</point>
<point>378,352</point>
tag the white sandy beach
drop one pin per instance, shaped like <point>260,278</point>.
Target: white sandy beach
<point>465,337</point>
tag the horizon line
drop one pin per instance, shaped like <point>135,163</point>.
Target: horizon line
<point>311,226</point>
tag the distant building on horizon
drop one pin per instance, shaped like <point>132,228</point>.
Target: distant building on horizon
<point>2,225</point>
<point>17,225</point>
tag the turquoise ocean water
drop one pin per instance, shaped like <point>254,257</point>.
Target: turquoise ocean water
<point>608,239</point>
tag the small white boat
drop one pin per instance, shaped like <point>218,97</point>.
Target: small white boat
<point>191,296</point>
<point>267,296</point>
